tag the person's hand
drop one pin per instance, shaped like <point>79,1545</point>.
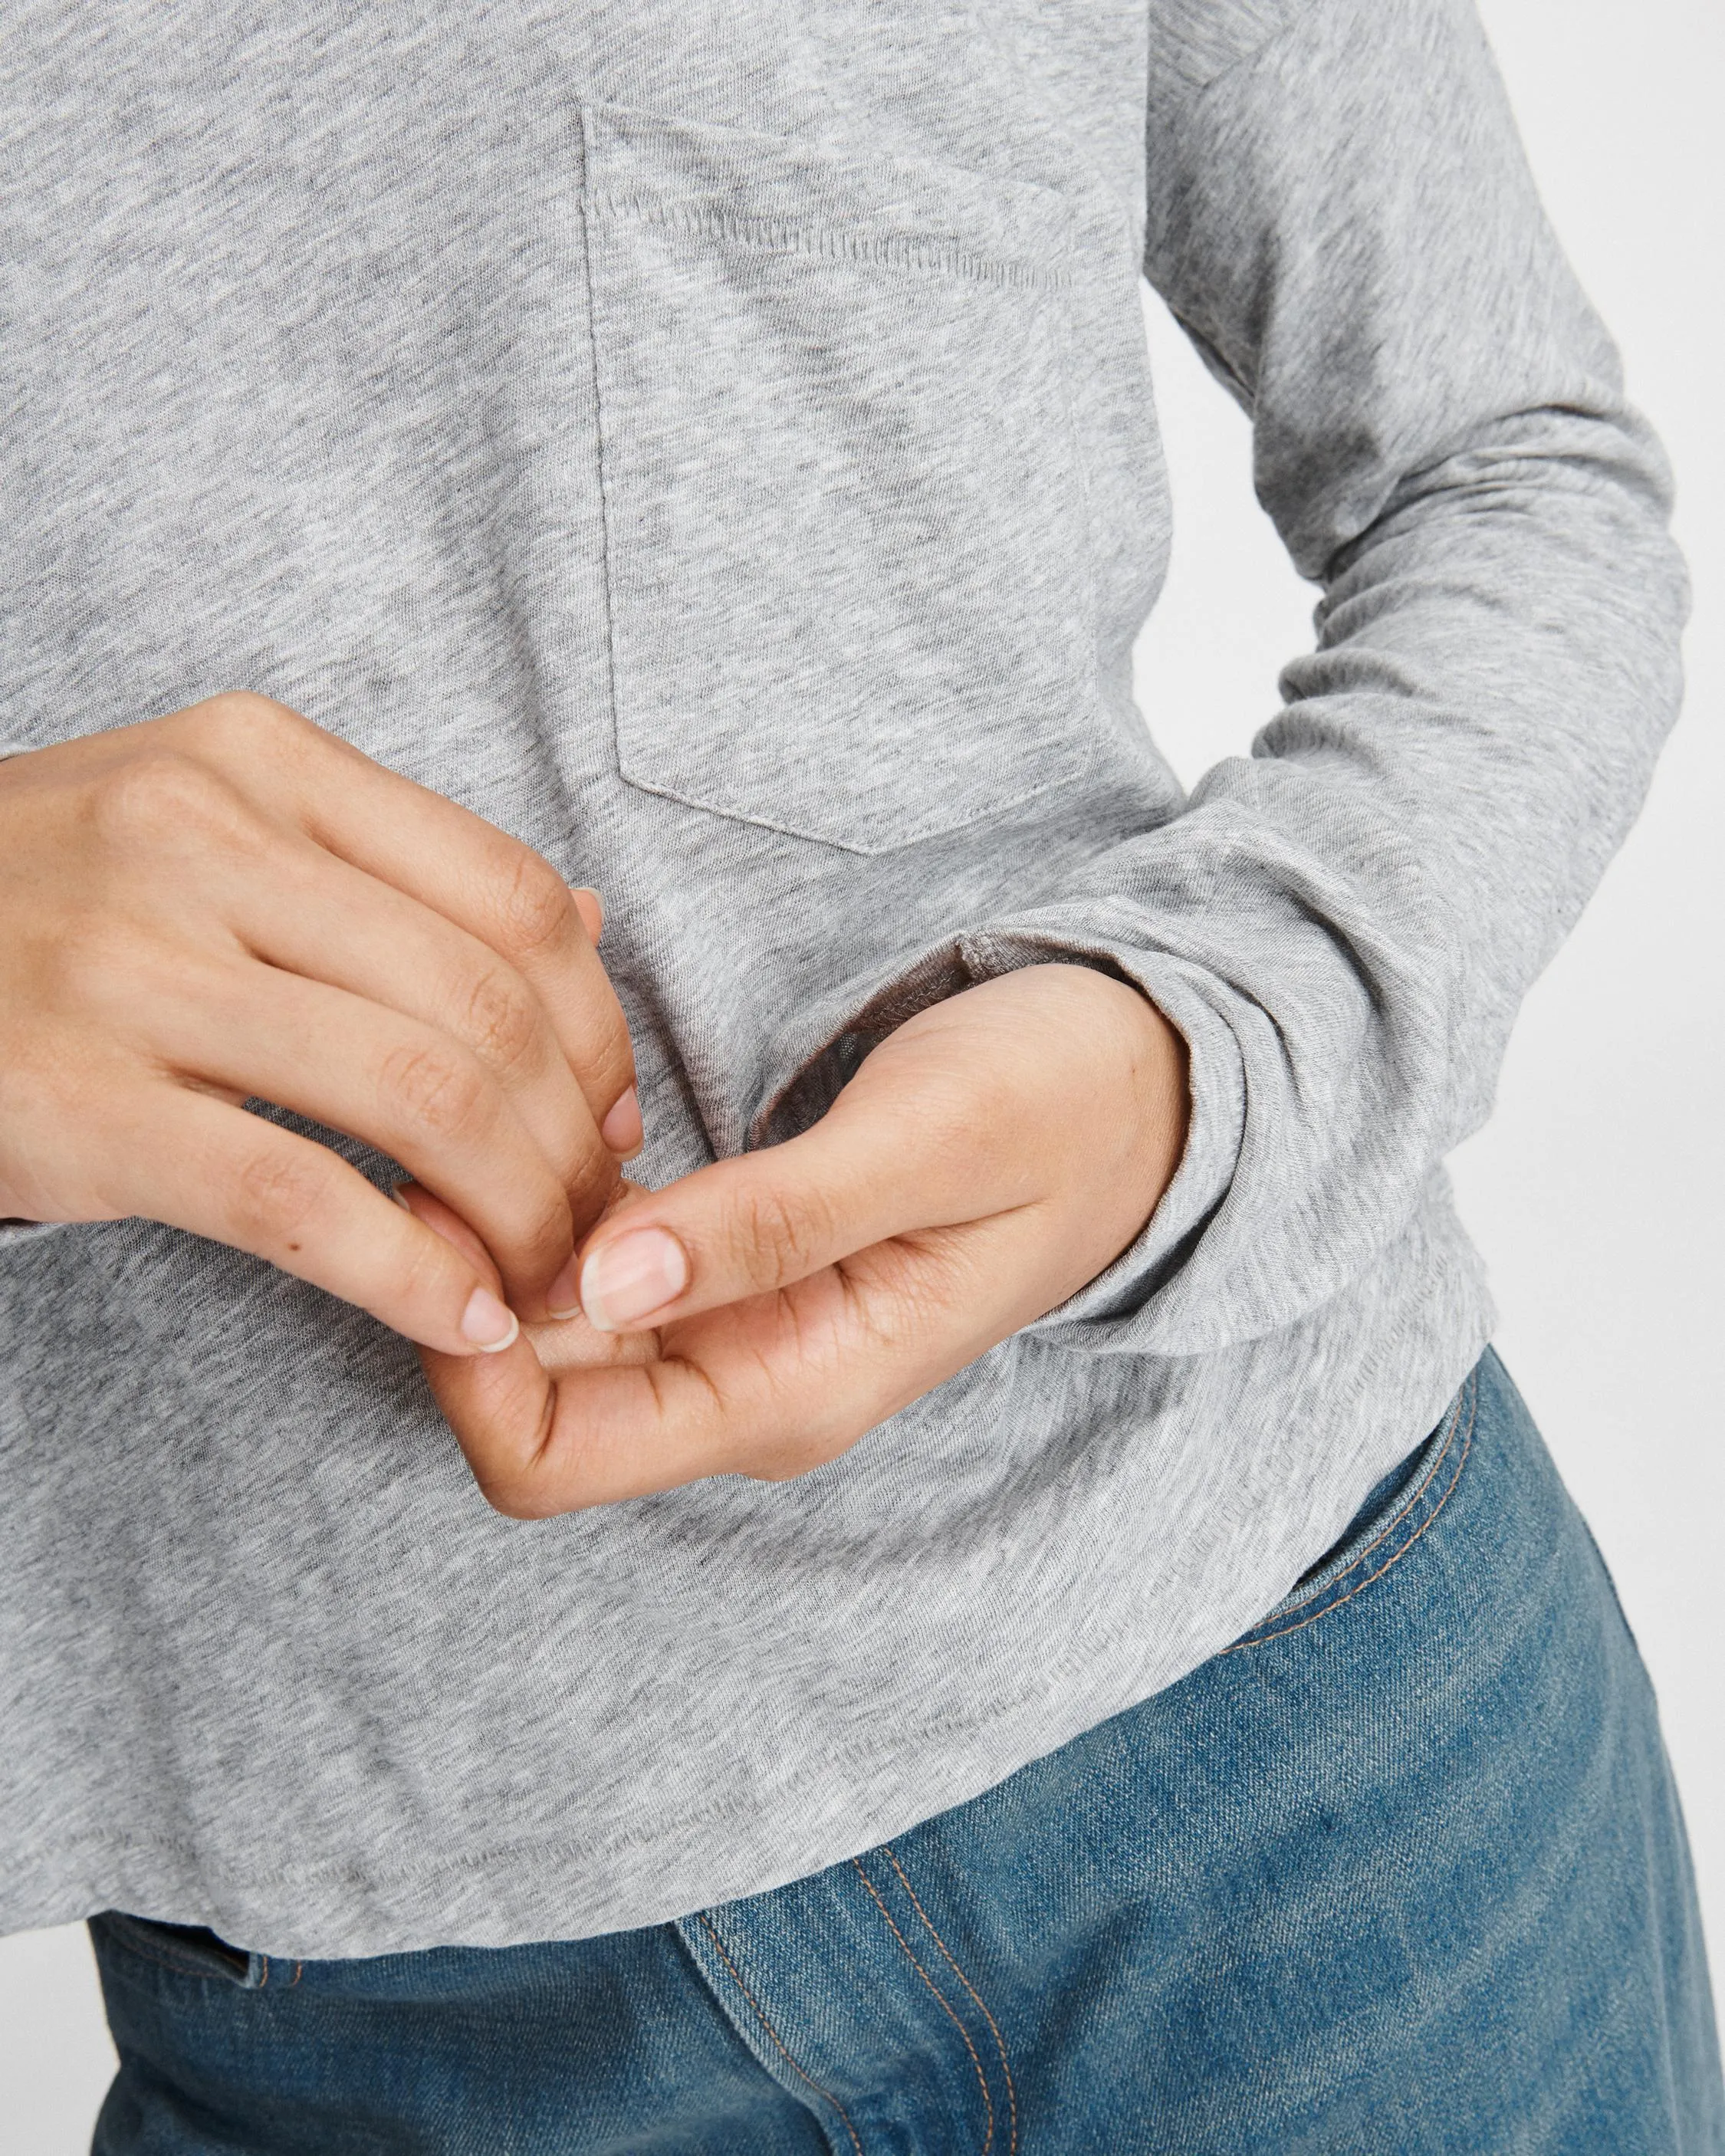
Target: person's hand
<point>987,1159</point>
<point>229,903</point>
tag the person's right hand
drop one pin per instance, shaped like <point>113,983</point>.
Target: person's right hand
<point>229,903</point>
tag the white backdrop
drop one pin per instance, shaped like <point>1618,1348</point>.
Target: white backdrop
<point>1598,1192</point>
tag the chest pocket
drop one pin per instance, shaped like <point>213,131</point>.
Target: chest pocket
<point>846,542</point>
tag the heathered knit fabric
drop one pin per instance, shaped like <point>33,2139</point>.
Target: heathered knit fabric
<point>711,438</point>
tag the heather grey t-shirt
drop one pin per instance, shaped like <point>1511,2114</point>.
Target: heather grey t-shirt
<point>713,441</point>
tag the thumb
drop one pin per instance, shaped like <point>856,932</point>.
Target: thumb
<point>872,1168</point>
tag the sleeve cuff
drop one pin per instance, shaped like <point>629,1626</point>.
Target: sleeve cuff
<point>1116,1310</point>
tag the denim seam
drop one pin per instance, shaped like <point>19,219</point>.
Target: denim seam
<point>1282,1630</point>
<point>1012,2094</point>
<point>946,2006</point>
<point>826,2095</point>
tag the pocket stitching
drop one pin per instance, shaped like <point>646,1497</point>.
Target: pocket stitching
<point>1439,1455</point>
<point>909,251</point>
<point>1282,1631</point>
<point>600,205</point>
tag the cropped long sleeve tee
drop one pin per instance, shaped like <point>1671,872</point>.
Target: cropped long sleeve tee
<point>715,443</point>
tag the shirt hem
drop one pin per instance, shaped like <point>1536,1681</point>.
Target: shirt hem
<point>498,1897</point>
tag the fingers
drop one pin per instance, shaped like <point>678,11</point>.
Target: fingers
<point>197,1163</point>
<point>316,916</point>
<point>993,1155</point>
<point>146,871</point>
<point>446,857</point>
<point>769,1388</point>
<point>413,1092</point>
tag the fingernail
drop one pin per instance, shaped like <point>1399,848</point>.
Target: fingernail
<point>621,1129</point>
<point>491,1326</point>
<point>629,1279</point>
<point>562,1298</point>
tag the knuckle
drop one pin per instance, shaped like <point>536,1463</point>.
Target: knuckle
<point>434,1092</point>
<point>590,1182</point>
<point>512,1494</point>
<point>242,721</point>
<point>502,1023</point>
<point>776,1236</point>
<point>513,1478</point>
<point>533,905</point>
<point>614,1059</point>
<point>159,795</point>
<point>422,1266</point>
<point>276,1192</point>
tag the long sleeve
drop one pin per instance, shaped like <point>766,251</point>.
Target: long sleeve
<point>713,445</point>
<point>1344,925</point>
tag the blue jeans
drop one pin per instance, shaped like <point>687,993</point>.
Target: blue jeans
<point>1401,1872</point>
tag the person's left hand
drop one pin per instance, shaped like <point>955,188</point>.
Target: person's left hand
<point>988,1159</point>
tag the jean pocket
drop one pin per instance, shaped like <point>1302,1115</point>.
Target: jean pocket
<point>189,1949</point>
<point>847,546</point>
<point>1392,1519</point>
